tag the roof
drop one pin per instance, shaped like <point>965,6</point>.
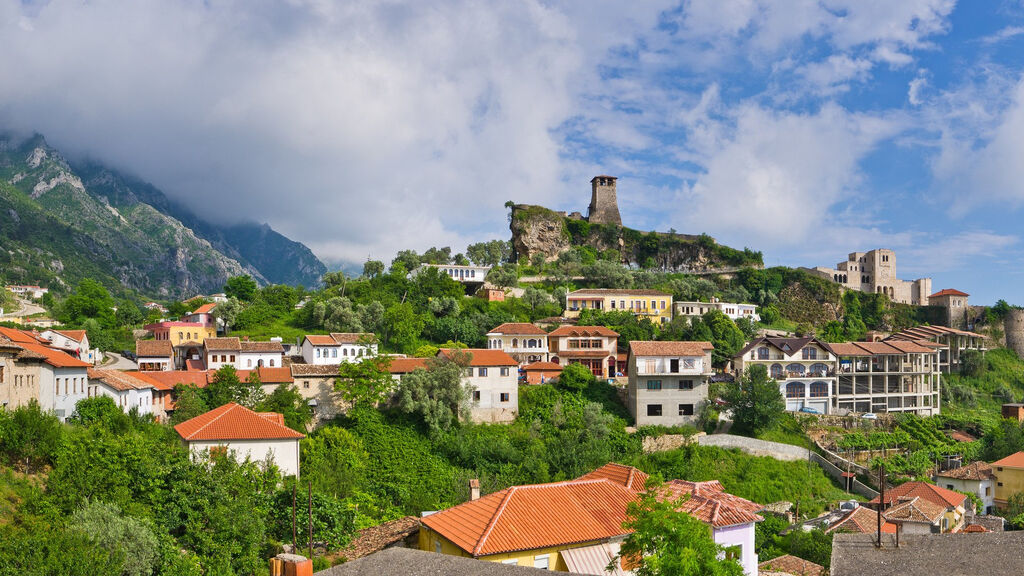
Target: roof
<point>233,422</point>
<point>76,335</point>
<point>583,331</point>
<point>205,308</point>
<point>973,471</point>
<point>894,347</point>
<point>975,529</point>
<point>537,366</point>
<point>925,490</point>
<point>54,358</point>
<point>267,375</point>
<point>786,345</point>
<point>353,337</point>
<point>628,476</point>
<point>269,346</point>
<point>229,344</point>
<point>948,292</point>
<point>1012,461</point>
<point>961,436</point>
<point>536,516</point>
<point>481,356</point>
<point>990,553</point>
<point>650,348</point>
<point>861,519</point>
<point>711,504</point>
<point>915,509</point>
<point>167,380</point>
<point>314,369</point>
<point>377,538</point>
<point>406,365</point>
<point>411,562</point>
<point>154,348</point>
<point>518,328</point>
<point>321,340</point>
<point>616,291</point>
<point>120,381</point>
<point>792,565</point>
<point>20,336</point>
<point>929,333</point>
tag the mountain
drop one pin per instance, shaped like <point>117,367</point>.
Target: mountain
<point>60,222</point>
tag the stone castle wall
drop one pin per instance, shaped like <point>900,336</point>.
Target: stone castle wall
<point>1014,325</point>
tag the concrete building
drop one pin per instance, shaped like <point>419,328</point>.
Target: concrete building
<point>494,378</point>
<point>596,347</point>
<point>891,376</point>
<point>463,274</point>
<point>181,333</point>
<point>527,343</point>
<point>34,292</point>
<point>338,347</point>
<point>654,305</point>
<point>734,311</point>
<point>668,381</point>
<point>244,434</point>
<point>955,303</point>
<point>805,369</point>
<point>875,271</point>
<point>949,343</point>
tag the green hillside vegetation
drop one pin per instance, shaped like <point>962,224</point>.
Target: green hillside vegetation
<point>976,399</point>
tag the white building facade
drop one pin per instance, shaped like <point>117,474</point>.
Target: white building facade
<point>668,381</point>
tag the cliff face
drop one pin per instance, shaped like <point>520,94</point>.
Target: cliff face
<point>538,230</point>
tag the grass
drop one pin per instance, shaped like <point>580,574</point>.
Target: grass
<point>279,327</point>
<point>788,431</point>
<point>780,324</point>
<point>979,399</point>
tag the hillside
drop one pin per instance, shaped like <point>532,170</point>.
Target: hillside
<point>60,223</point>
<point>541,232</point>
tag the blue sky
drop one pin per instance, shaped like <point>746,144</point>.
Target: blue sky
<point>806,129</point>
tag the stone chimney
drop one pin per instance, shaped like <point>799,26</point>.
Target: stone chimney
<point>291,565</point>
<point>474,489</point>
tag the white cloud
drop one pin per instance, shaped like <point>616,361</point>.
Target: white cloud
<point>1003,34</point>
<point>915,87</point>
<point>833,74</point>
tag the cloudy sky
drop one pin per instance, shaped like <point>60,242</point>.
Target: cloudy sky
<point>803,128</point>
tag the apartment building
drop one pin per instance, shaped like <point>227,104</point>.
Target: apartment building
<point>651,304</point>
<point>890,376</point>
<point>949,342</point>
<point>596,347</point>
<point>805,369</point>
<point>668,381</point>
<point>733,310</point>
<point>527,343</point>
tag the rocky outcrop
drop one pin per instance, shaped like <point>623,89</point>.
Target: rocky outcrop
<point>537,230</point>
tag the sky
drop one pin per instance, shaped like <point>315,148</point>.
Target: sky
<point>806,129</point>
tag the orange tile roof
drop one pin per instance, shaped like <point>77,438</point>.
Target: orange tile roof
<point>406,365</point>
<point>205,308</point>
<point>353,337</point>
<point>167,380</point>
<point>321,340</point>
<point>583,331</point>
<point>119,380</point>
<point>228,344</point>
<point>233,422</point>
<point>54,358</point>
<point>975,529</point>
<point>536,516</point>
<point>915,509</point>
<point>948,292</point>
<point>792,565</point>
<point>1011,461</point>
<point>19,336</point>
<point>76,335</point>
<point>268,375</point>
<point>481,356</point>
<point>861,519</point>
<point>518,328</point>
<point>627,476</point>
<point>542,366</point>
<point>246,346</point>
<point>973,471</point>
<point>154,348</point>
<point>313,369</point>
<point>925,490</point>
<point>650,348</point>
<point>711,504</point>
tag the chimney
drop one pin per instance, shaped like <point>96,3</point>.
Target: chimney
<point>474,489</point>
<point>290,565</point>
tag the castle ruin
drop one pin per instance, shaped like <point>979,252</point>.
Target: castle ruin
<point>1014,325</point>
<point>604,204</point>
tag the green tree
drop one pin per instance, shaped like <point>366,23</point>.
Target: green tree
<point>123,536</point>
<point>491,253</point>
<point>726,336</point>
<point>667,542</point>
<point>128,313</point>
<point>506,276</point>
<point>189,402</point>
<point>404,326</point>
<point>43,550</point>
<point>101,410</point>
<point>365,383</point>
<point>575,377</point>
<point>972,363</point>
<point>373,268</point>
<point>437,394</point>
<point>89,300</point>
<point>225,386</point>
<point>334,460</point>
<point>30,436</point>
<point>227,312</point>
<point>409,260</point>
<point>608,274</point>
<point>241,287</point>
<point>754,400</point>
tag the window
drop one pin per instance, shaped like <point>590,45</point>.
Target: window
<point>654,409</point>
<point>950,486</point>
<point>654,384</point>
<point>271,362</point>
<point>437,546</point>
<point>686,384</point>
<point>733,552</point>
<point>334,353</point>
<point>248,363</point>
<point>305,384</point>
<point>819,389</point>
<point>317,352</point>
<point>504,371</point>
<point>795,390</point>
<point>810,353</point>
<point>988,490</point>
<point>482,372</point>
<point>511,562</point>
<point>686,409</point>
<point>476,395</point>
<point>999,484</point>
<point>613,304</point>
<point>504,396</point>
<point>542,561</point>
<point>762,353</point>
<point>232,357</point>
<point>673,365</point>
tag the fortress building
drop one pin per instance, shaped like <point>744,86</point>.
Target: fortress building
<point>604,204</point>
<point>875,271</point>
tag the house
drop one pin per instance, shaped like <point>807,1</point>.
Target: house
<point>596,347</point>
<point>735,311</point>
<point>1013,411</point>
<point>128,390</point>
<point>916,515</point>
<point>181,333</point>
<point>202,315</point>
<point>256,436</point>
<point>654,305</point>
<point>976,478</point>
<point>805,369</point>
<point>402,532</point>
<point>74,343</point>
<point>540,372</point>
<point>315,382</point>
<point>890,376</point>
<point>491,294</point>
<point>525,342</point>
<point>949,342</point>
<point>34,292</point>
<point>788,564</point>
<point>154,355</point>
<point>1009,474</point>
<point>955,303</point>
<point>163,383</point>
<point>243,355</point>
<point>29,370</point>
<point>462,274</point>
<point>954,505</point>
<point>989,553</point>
<point>399,561</point>
<point>399,367</point>
<point>860,519</point>
<point>338,347</point>
<point>494,378</point>
<point>668,381</point>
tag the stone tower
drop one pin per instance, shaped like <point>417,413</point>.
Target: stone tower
<point>1014,325</point>
<point>604,204</point>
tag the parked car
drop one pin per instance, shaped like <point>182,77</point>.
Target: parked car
<point>869,416</point>
<point>809,410</point>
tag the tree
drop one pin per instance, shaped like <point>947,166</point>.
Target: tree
<point>435,255</point>
<point>334,460</point>
<point>972,363</point>
<point>754,400</point>
<point>189,402</point>
<point>287,401</point>
<point>575,377</point>
<point>506,276</point>
<point>437,394</point>
<point>241,287</point>
<point>124,536</point>
<point>491,253</point>
<point>227,312</point>
<point>668,542</point>
<point>128,313</point>
<point>726,336</point>
<point>30,436</point>
<point>373,268</point>
<point>404,327</point>
<point>608,274</point>
<point>89,300</point>
<point>365,383</point>
<point>225,386</point>
<point>103,411</point>
<point>408,259</point>
<point>534,298</point>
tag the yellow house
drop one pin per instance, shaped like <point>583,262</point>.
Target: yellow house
<point>179,333</point>
<point>651,304</point>
<point>1009,473</point>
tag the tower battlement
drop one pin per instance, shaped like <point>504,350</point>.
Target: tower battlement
<point>604,203</point>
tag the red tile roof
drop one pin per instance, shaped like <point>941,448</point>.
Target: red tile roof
<point>167,380</point>
<point>1011,461</point>
<point>948,292</point>
<point>20,336</point>
<point>261,347</point>
<point>627,476</point>
<point>406,365</point>
<point>154,349</point>
<point>353,337</point>
<point>538,366</point>
<point>76,335</point>
<point>481,356</point>
<point>119,380</point>
<point>975,529</point>
<point>792,565</point>
<point>228,344</point>
<point>233,422</point>
<point>54,358</point>
<point>518,328</point>
<point>711,504</point>
<point>583,331</point>
<point>536,516</point>
<point>925,490</point>
<point>267,375</point>
<point>650,348</point>
<point>321,340</point>
<point>205,308</point>
<point>861,519</point>
<point>915,509</point>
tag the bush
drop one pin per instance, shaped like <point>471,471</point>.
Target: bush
<point>121,536</point>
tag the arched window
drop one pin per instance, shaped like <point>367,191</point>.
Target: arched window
<point>271,362</point>
<point>795,390</point>
<point>795,369</point>
<point>344,351</point>
<point>818,369</point>
<point>515,343</point>
<point>819,389</point>
<point>776,371</point>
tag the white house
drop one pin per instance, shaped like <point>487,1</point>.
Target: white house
<point>256,436</point>
<point>74,343</point>
<point>732,519</point>
<point>527,343</point>
<point>805,369</point>
<point>34,292</point>
<point>61,380</point>
<point>338,347</point>
<point>734,311</point>
<point>127,391</point>
<point>243,355</point>
<point>976,478</point>
<point>668,381</point>
<point>463,274</point>
<point>494,377</point>
<point>154,355</point>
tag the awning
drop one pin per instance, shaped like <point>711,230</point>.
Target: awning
<point>592,560</point>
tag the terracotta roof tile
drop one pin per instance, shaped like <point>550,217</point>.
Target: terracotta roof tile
<point>223,344</point>
<point>119,380</point>
<point>167,380</point>
<point>353,337</point>
<point>861,519</point>
<point>481,356</point>
<point>321,340</point>
<point>711,504</point>
<point>261,347</point>
<point>948,292</point>
<point>406,365</point>
<point>925,490</point>
<point>518,328</point>
<point>973,471</point>
<point>268,375</point>
<point>542,366</point>
<point>233,422</point>
<point>376,538</point>
<point>154,348</point>
<point>627,476</point>
<point>54,358</point>
<point>975,529</point>
<point>205,308</point>
<point>76,335</point>
<point>651,348</point>
<point>1012,461</point>
<point>792,565</point>
<point>583,331</point>
<point>915,509</point>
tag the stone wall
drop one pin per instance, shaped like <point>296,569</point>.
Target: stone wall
<point>1014,325</point>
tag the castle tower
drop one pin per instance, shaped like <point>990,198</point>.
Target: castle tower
<point>604,204</point>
